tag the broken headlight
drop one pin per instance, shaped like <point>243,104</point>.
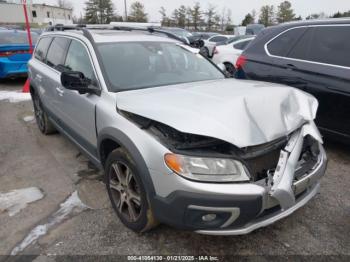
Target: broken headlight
<point>207,169</point>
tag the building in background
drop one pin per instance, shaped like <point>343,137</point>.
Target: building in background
<point>40,14</point>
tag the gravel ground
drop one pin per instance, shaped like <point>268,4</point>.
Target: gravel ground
<point>53,164</point>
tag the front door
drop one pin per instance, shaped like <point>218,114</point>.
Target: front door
<point>78,110</point>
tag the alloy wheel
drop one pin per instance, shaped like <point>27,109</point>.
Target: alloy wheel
<point>125,191</point>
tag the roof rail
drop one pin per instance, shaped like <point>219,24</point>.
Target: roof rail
<point>147,27</point>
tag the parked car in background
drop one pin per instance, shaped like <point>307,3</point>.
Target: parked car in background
<point>228,54</point>
<point>313,56</point>
<point>180,32</point>
<point>208,48</point>
<point>38,31</point>
<point>204,35</point>
<point>254,29</point>
<point>179,142</point>
<point>235,39</point>
<point>14,53</point>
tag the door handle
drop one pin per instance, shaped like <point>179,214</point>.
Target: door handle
<point>60,91</point>
<point>39,77</point>
<point>291,67</point>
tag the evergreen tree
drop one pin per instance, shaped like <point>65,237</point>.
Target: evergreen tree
<point>248,19</point>
<point>339,14</point>
<point>196,15</point>
<point>137,13</point>
<point>188,17</point>
<point>175,17</point>
<point>267,15</point>
<point>99,11</point>
<point>182,13</point>
<point>285,12</point>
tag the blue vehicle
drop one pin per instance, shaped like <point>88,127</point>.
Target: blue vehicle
<point>14,53</point>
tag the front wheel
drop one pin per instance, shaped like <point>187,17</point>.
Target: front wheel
<point>127,193</point>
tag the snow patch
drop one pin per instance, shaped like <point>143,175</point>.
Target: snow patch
<point>14,96</point>
<point>15,200</point>
<point>72,204</point>
<point>28,118</point>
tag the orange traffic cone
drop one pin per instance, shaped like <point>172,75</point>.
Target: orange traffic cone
<point>26,86</point>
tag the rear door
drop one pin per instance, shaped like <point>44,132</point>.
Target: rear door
<point>52,76</point>
<point>321,59</point>
<point>282,69</point>
<point>38,71</point>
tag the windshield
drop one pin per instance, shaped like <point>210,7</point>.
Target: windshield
<point>136,65</point>
<point>11,37</point>
<point>237,38</point>
<point>179,32</point>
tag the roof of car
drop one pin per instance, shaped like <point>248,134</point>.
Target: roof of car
<point>330,21</point>
<point>107,36</point>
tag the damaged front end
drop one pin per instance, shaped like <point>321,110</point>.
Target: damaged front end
<point>282,166</point>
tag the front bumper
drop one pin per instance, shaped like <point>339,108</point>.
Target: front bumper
<point>240,208</point>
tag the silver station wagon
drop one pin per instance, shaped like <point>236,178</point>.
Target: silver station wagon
<point>179,142</point>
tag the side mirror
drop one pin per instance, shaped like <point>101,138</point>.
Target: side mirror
<point>74,80</point>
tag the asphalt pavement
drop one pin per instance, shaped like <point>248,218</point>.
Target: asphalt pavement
<point>55,166</point>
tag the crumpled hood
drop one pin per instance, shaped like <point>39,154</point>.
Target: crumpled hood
<point>241,112</point>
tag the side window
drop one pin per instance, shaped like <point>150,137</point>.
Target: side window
<point>78,60</point>
<point>217,39</point>
<point>242,45</point>
<point>330,45</point>
<point>57,51</point>
<point>41,49</point>
<point>284,43</point>
<point>301,48</point>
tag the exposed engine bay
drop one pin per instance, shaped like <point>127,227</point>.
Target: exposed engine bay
<point>260,160</point>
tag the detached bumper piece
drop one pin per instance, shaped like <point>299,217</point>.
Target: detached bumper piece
<point>290,185</point>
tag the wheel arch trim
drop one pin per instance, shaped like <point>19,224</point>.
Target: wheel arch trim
<point>124,141</point>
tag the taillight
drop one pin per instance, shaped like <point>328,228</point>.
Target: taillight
<point>215,51</point>
<point>9,53</point>
<point>241,61</point>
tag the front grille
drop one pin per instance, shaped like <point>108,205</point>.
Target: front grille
<point>262,163</point>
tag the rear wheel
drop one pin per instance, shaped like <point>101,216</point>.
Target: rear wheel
<point>204,51</point>
<point>230,68</point>
<point>42,120</point>
<point>127,193</point>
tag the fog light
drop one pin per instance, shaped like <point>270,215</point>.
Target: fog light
<point>208,217</point>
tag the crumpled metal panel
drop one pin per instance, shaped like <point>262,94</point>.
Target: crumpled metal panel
<point>241,112</point>
<point>282,180</point>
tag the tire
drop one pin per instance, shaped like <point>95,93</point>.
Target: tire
<point>127,193</point>
<point>42,120</point>
<point>205,52</point>
<point>230,68</point>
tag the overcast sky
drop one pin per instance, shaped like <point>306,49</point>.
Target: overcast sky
<point>239,7</point>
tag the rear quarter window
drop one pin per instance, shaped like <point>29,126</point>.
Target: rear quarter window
<point>282,44</point>
<point>330,45</point>
<point>42,47</point>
